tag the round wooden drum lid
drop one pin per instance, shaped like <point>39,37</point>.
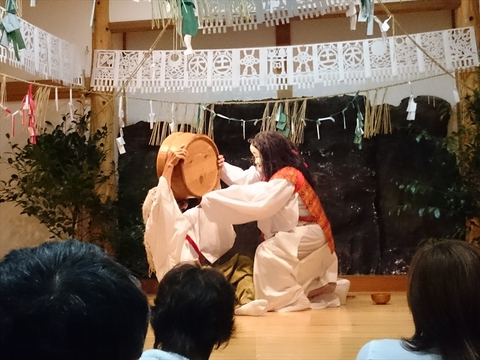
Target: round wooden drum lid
<point>198,173</point>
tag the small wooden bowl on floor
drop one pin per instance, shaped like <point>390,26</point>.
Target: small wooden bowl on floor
<point>381,298</point>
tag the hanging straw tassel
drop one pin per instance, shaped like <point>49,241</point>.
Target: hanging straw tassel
<point>159,133</point>
<point>295,121</point>
<point>155,134</point>
<point>298,122</point>
<point>210,121</point>
<point>379,121</point>
<point>368,126</point>
<point>265,117</point>
<point>201,119</point>
<point>386,120</point>
<point>41,96</point>
<point>303,114</point>
<point>3,93</point>
<point>271,122</point>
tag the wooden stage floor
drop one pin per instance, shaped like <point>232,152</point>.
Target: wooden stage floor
<point>327,334</point>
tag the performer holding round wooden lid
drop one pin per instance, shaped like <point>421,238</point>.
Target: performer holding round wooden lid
<point>175,234</point>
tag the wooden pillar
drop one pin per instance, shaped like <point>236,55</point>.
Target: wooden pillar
<point>468,14</point>
<point>282,38</point>
<point>102,102</point>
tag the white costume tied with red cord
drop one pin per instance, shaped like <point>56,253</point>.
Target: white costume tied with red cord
<point>167,227</point>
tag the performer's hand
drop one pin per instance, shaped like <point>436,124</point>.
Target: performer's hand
<point>220,161</point>
<point>171,159</point>
<point>175,155</point>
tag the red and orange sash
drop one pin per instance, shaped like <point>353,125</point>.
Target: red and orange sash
<point>311,200</point>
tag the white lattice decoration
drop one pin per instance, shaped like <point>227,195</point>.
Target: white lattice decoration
<point>302,66</point>
<point>45,55</point>
<point>218,15</point>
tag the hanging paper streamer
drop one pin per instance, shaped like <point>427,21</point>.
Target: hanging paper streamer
<point>10,29</point>
<point>412,105</point>
<point>4,108</point>
<point>28,112</point>
<point>281,119</point>
<point>70,105</point>
<point>56,98</point>
<point>151,116</point>
<point>411,108</point>
<point>384,27</point>
<point>121,114</point>
<point>121,145</point>
<point>359,130</point>
<point>352,14</point>
<point>366,14</point>
<point>121,142</point>
<point>172,119</point>
<point>319,122</point>
<point>13,122</point>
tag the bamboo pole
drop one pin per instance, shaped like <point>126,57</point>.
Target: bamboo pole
<point>102,113</point>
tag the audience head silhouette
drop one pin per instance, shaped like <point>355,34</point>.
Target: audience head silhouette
<point>193,311</point>
<point>69,300</point>
<point>444,297</point>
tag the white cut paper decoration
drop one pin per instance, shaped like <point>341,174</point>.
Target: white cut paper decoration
<point>302,66</point>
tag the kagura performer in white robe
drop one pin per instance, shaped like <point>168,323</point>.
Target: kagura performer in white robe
<point>295,267</point>
<point>173,236</point>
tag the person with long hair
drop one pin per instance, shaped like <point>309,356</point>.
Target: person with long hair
<point>443,294</point>
<point>295,266</point>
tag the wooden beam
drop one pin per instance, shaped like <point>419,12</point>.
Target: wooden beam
<point>16,90</point>
<point>397,7</point>
<point>132,26</point>
<point>376,283</point>
<point>283,38</point>
<point>417,6</point>
<point>358,283</point>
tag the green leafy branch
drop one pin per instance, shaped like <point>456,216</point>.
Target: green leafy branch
<point>56,180</point>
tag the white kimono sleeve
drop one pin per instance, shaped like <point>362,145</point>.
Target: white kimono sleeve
<point>231,174</point>
<point>239,204</point>
<point>165,231</point>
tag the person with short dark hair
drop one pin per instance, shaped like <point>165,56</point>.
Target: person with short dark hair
<point>443,294</point>
<point>69,300</point>
<point>193,313</point>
